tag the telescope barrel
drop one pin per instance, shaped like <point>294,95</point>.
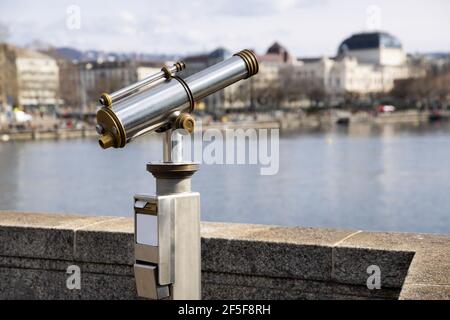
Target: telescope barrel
<point>160,105</point>
<point>221,75</point>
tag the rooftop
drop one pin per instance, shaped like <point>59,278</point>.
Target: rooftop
<point>27,53</point>
<point>372,40</point>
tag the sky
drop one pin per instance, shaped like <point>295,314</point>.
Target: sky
<point>305,27</point>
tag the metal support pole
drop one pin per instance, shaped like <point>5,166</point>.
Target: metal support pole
<point>169,266</point>
<point>172,147</point>
<point>167,146</point>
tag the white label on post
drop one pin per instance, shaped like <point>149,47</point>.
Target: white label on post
<point>147,229</point>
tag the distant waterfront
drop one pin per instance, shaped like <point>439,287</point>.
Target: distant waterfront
<point>286,121</point>
<point>389,178</point>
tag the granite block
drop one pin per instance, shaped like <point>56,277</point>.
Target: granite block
<point>425,292</point>
<point>431,255</point>
<point>303,253</point>
<point>107,287</point>
<point>396,241</point>
<point>32,284</point>
<point>430,267</point>
<point>290,235</point>
<point>109,241</point>
<point>268,259</point>
<point>62,265</point>
<point>350,266</point>
<point>312,288</point>
<point>40,235</point>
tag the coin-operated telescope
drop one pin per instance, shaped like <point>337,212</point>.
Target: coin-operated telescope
<point>167,225</point>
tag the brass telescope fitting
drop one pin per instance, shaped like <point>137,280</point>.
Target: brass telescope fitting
<point>105,99</point>
<point>113,130</point>
<point>185,121</point>
<point>106,141</point>
<point>250,61</point>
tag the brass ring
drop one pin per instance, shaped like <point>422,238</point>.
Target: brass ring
<point>254,61</point>
<point>180,65</point>
<point>188,92</point>
<point>250,61</point>
<point>167,73</point>
<point>172,170</point>
<point>122,135</point>
<point>107,99</point>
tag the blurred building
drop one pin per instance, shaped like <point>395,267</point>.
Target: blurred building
<point>241,95</point>
<point>28,79</point>
<point>365,63</point>
<point>147,68</point>
<point>278,83</point>
<point>433,63</point>
<point>272,65</point>
<point>70,90</point>
<point>8,83</point>
<point>37,77</point>
<point>97,77</point>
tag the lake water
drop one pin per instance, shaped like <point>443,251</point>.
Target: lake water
<point>389,178</point>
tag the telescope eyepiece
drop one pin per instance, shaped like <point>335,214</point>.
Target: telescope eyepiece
<point>106,141</point>
<point>250,61</point>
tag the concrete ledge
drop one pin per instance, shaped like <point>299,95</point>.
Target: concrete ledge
<point>269,251</point>
<point>238,261</point>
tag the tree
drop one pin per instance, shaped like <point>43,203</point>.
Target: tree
<point>103,84</point>
<point>435,86</point>
<point>286,90</point>
<point>316,94</point>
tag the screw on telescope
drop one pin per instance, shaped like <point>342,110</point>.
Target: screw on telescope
<point>105,100</point>
<point>185,121</point>
<point>99,129</point>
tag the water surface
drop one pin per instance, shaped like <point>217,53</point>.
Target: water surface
<point>386,178</point>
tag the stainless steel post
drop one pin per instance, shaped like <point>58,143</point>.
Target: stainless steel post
<point>172,147</point>
<point>167,146</point>
<point>169,266</point>
<point>167,248</point>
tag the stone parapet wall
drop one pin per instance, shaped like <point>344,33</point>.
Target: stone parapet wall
<point>238,261</point>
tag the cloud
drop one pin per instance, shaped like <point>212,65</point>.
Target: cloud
<point>263,7</point>
<point>305,27</point>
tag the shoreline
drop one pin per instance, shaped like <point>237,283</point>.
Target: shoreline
<point>288,123</point>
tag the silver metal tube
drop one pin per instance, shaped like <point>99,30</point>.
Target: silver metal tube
<point>167,146</point>
<point>171,186</point>
<point>177,147</point>
<point>152,108</point>
<point>153,79</point>
<point>217,77</point>
<point>172,147</point>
